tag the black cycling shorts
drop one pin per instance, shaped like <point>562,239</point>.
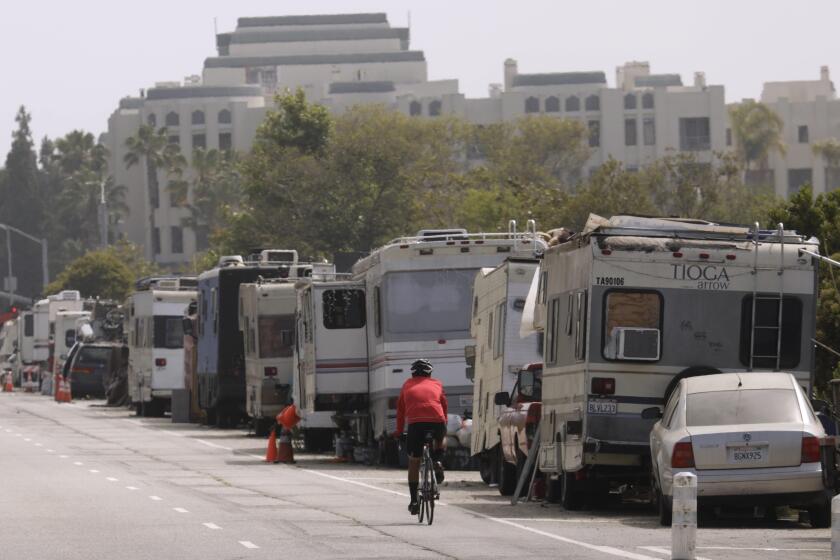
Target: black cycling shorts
<point>416,437</point>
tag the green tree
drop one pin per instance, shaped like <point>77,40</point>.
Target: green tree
<point>98,273</point>
<point>295,123</point>
<point>829,151</point>
<point>758,132</point>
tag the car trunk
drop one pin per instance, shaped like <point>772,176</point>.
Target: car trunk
<point>748,446</point>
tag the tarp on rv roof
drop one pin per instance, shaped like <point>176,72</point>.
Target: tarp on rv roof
<point>595,222</point>
<point>668,244</point>
<point>526,324</point>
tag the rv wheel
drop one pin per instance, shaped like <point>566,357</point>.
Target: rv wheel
<point>507,475</point>
<point>571,497</point>
<point>486,466</point>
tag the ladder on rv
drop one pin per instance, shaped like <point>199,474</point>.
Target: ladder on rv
<point>779,298</point>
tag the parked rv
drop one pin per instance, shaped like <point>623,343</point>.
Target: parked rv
<point>191,359</point>
<point>154,324</point>
<point>630,306</point>
<point>66,335</point>
<point>498,356</point>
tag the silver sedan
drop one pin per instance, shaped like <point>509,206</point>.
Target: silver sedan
<point>752,439</point>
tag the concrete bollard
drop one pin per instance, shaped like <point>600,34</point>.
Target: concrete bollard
<point>835,528</point>
<point>684,517</point>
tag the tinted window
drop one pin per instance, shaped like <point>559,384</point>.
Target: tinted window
<point>530,385</point>
<point>277,336</point>
<point>344,309</point>
<point>755,406</point>
<point>169,331</point>
<point>766,333</point>
<point>429,301</point>
<point>94,355</point>
<point>29,325</point>
<point>69,338</point>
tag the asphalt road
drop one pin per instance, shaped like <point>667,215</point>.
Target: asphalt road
<point>79,481</point>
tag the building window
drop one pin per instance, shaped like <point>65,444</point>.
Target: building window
<point>552,105</point>
<point>728,136</point>
<point>198,117</point>
<point>224,117</point>
<point>151,120</point>
<point>630,134</point>
<point>156,241</point>
<point>832,178</point>
<point>594,134</point>
<point>172,119</point>
<point>630,101</point>
<point>177,239</point>
<point>593,103</point>
<point>174,139</point>
<point>695,134</point>
<point>649,131</point>
<point>434,108</point>
<point>199,141</point>
<point>647,101</point>
<point>532,105</point>
<point>415,109</point>
<point>797,178</point>
<point>803,134</point>
<point>573,103</point>
<point>225,141</point>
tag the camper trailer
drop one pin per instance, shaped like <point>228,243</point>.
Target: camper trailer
<point>221,352</point>
<point>632,305</point>
<point>500,354</point>
<point>418,305</point>
<point>267,323</point>
<point>154,325</point>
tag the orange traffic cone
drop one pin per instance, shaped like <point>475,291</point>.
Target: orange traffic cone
<point>288,417</point>
<point>286,454</point>
<point>271,450</point>
<point>8,387</point>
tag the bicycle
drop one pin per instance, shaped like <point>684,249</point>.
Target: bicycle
<point>427,490</point>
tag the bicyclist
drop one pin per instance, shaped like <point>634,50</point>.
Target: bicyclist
<point>422,406</point>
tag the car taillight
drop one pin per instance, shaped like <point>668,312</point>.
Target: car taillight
<point>270,371</point>
<point>683,456</point>
<point>603,386</point>
<point>810,449</point>
<point>160,362</point>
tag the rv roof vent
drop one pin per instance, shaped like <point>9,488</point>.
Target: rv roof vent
<point>231,260</point>
<point>168,284</point>
<point>289,256</point>
<point>441,234</point>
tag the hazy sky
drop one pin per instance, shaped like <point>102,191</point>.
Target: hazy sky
<point>70,62</point>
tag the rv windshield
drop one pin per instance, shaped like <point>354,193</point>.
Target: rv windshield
<point>428,303</point>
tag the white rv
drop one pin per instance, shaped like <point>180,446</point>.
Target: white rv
<point>419,301</point>
<point>66,334</point>
<point>154,327</point>
<point>25,361</point>
<point>499,296</point>
<point>632,305</point>
<point>8,347</point>
<point>267,322</point>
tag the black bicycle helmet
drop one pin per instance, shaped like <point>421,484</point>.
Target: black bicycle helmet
<point>422,367</point>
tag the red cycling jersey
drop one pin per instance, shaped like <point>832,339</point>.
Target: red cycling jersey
<point>421,400</point>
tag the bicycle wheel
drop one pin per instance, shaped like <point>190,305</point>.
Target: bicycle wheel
<point>421,495</point>
<point>430,505</point>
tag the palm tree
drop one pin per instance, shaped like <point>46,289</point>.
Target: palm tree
<point>758,133</point>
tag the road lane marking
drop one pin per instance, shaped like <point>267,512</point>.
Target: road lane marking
<point>767,549</point>
<point>18,435</point>
<point>94,471</point>
<point>156,498</point>
<point>131,488</point>
<point>62,456</point>
<point>181,510</point>
<point>665,551</point>
<point>39,444</point>
<point>248,544</point>
<point>216,445</point>
<point>78,463</point>
<point>26,439</point>
<point>111,479</point>
<point>50,450</point>
<point>548,519</point>
<point>211,526</point>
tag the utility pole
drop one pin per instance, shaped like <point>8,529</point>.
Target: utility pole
<point>11,281</point>
<point>103,216</point>
<point>10,285</point>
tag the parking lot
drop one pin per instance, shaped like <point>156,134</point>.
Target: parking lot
<point>187,491</point>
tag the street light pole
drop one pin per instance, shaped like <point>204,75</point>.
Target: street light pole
<point>103,216</point>
<point>11,278</point>
<point>12,281</point>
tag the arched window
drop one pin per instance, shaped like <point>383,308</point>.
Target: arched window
<point>151,120</point>
<point>573,103</point>
<point>434,108</point>
<point>630,101</point>
<point>647,101</point>
<point>593,103</point>
<point>415,108</point>
<point>172,119</point>
<point>198,117</point>
<point>552,105</point>
<point>224,116</point>
<point>532,105</point>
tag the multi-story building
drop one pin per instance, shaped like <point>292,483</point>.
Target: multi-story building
<point>351,59</point>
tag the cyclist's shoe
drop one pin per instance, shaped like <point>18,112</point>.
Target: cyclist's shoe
<point>439,476</point>
<point>414,508</point>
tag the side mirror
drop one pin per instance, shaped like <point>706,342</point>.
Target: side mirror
<point>502,398</point>
<point>652,413</point>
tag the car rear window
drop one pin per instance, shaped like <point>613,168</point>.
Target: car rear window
<point>90,356</point>
<point>754,406</point>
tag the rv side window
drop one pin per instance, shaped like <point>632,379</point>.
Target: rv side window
<point>277,336</point>
<point>766,331</point>
<point>344,309</point>
<point>632,325</point>
<point>69,338</point>
<point>215,305</point>
<point>580,326</point>
<point>168,331</point>
<point>29,325</point>
<point>542,287</point>
<point>552,324</point>
<point>499,342</point>
<point>377,312</point>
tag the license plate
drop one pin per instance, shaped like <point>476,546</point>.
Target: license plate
<point>747,454</point>
<point>602,407</point>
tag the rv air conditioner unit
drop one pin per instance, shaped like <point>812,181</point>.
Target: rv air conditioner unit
<point>289,256</point>
<point>70,295</point>
<point>168,284</point>
<point>632,343</point>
